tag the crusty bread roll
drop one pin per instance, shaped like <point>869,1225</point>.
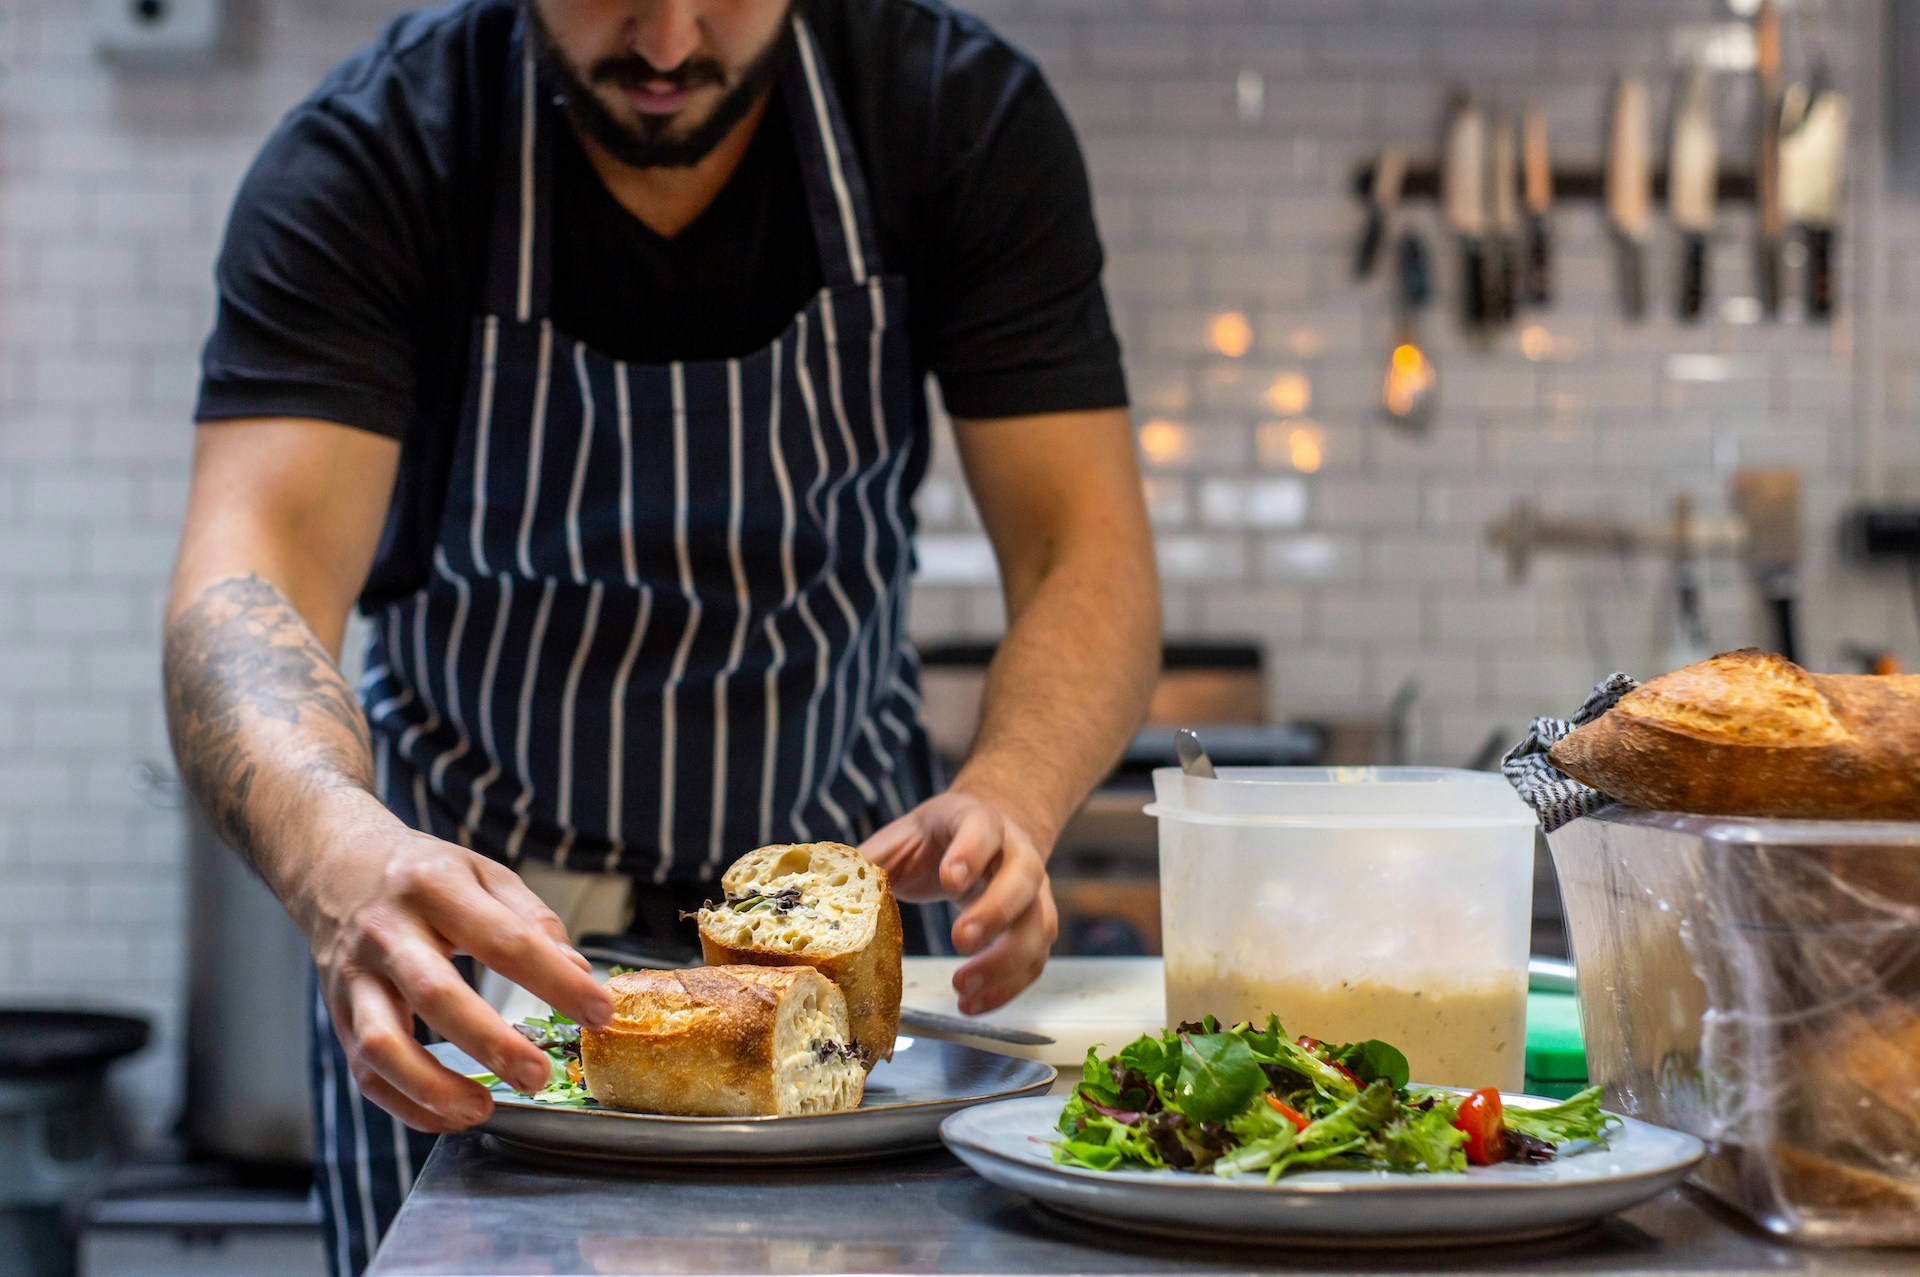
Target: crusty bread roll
<point>821,905</point>
<point>1749,733</point>
<point>724,1042</point>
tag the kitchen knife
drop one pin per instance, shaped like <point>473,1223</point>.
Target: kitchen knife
<point>1627,191</point>
<point>1766,167</point>
<point>1503,244</point>
<point>1465,182</point>
<point>1538,271</point>
<point>1812,160</point>
<point>1389,173</point>
<point>632,951</point>
<point>1691,174</point>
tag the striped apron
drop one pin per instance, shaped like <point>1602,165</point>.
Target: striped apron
<point>665,621</point>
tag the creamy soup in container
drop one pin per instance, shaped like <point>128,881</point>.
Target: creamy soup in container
<point>1390,903</point>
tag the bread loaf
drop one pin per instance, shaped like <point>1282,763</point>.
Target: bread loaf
<point>1749,733</point>
<point>724,1042</point>
<point>821,905</point>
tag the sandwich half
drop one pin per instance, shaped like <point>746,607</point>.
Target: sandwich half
<point>724,1042</point>
<point>821,905</point>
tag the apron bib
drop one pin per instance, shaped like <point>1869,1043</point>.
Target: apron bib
<point>665,622</point>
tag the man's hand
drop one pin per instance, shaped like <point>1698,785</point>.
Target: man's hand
<point>385,908</point>
<point>970,848</point>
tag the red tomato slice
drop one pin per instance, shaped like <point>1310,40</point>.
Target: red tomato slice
<point>1480,1118</point>
<point>1289,1112</point>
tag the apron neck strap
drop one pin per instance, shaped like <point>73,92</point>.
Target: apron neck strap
<point>520,278</point>
<point>836,185</point>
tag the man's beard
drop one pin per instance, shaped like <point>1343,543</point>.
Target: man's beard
<point>644,144</point>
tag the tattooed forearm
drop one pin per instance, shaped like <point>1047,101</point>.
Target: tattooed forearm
<point>257,709</point>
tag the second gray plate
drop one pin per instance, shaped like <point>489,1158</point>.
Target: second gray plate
<point>906,1100</point>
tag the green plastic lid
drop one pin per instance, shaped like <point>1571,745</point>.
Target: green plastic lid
<point>1555,1051</point>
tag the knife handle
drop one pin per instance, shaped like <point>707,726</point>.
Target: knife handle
<point>1630,260</point>
<point>1473,273</point>
<point>1693,274</point>
<point>1371,237</point>
<point>1539,283</point>
<point>1500,280</point>
<point>1767,275</point>
<point>1820,272</point>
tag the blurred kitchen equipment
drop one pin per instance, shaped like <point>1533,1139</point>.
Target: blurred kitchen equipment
<point>1768,501</point>
<point>1503,202</point>
<point>1465,182</point>
<point>1526,531</point>
<point>1388,173</point>
<point>1408,390</point>
<point>1692,173</point>
<point>1628,191</point>
<point>1690,626</point>
<point>1193,755</point>
<point>1812,162</point>
<point>1354,903</point>
<point>1766,169</point>
<point>1537,285</point>
<point>55,1125</point>
<point>1757,982</point>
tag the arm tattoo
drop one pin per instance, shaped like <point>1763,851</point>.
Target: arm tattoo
<point>240,663</point>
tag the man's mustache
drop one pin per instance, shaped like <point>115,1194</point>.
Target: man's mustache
<point>634,71</point>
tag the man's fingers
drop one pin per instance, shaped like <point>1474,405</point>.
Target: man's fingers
<point>1008,895</point>
<point>380,1091</point>
<point>379,1042</point>
<point>435,992</point>
<point>894,841</point>
<point>476,921</point>
<point>975,842</point>
<point>993,977</point>
<point>506,886</point>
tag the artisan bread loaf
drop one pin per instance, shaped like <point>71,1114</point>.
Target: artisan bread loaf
<point>1749,733</point>
<point>724,1042</point>
<point>821,905</point>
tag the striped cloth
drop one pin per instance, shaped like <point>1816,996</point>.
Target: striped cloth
<point>1554,795</point>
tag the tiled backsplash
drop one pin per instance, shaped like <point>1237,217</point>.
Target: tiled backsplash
<point>1222,136</point>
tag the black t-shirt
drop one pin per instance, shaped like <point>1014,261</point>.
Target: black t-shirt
<point>354,260</point>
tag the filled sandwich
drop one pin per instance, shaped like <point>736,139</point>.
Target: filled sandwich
<point>821,905</point>
<point>724,1042</point>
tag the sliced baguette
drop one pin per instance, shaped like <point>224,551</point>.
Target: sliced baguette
<point>821,905</point>
<point>1749,733</point>
<point>724,1042</point>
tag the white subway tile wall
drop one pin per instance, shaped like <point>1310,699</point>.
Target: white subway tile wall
<point>1222,136</point>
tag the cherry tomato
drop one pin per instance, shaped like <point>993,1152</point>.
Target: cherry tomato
<point>1287,1111</point>
<point>1480,1117</point>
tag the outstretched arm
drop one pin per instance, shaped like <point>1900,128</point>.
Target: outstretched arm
<point>1061,499</point>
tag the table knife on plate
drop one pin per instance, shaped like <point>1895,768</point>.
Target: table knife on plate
<point>1538,271</point>
<point>1465,181</point>
<point>1628,191</point>
<point>1692,170</point>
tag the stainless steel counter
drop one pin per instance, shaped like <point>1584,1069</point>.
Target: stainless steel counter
<point>478,1211</point>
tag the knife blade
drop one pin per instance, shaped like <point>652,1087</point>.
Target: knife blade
<point>1812,163</point>
<point>1503,243</point>
<point>1465,182</point>
<point>1628,193</point>
<point>1692,170</point>
<point>1538,287</point>
<point>1766,167</point>
<point>1389,174</point>
<point>938,1022</point>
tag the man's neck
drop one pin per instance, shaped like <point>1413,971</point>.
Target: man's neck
<point>669,199</point>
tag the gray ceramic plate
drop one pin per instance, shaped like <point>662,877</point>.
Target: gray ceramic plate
<point>907,1098</point>
<point>1005,1143</point>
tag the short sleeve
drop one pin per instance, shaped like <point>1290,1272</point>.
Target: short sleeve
<point>321,282</point>
<point>1019,320</point>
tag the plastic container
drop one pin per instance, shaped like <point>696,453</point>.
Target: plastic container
<point>1757,982</point>
<point>1390,903</point>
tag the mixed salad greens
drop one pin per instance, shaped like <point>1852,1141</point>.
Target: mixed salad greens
<point>559,1037</point>
<point>1241,1099</point>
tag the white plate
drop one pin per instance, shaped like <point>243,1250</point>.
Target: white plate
<point>1004,1143</point>
<point>906,1099</point>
